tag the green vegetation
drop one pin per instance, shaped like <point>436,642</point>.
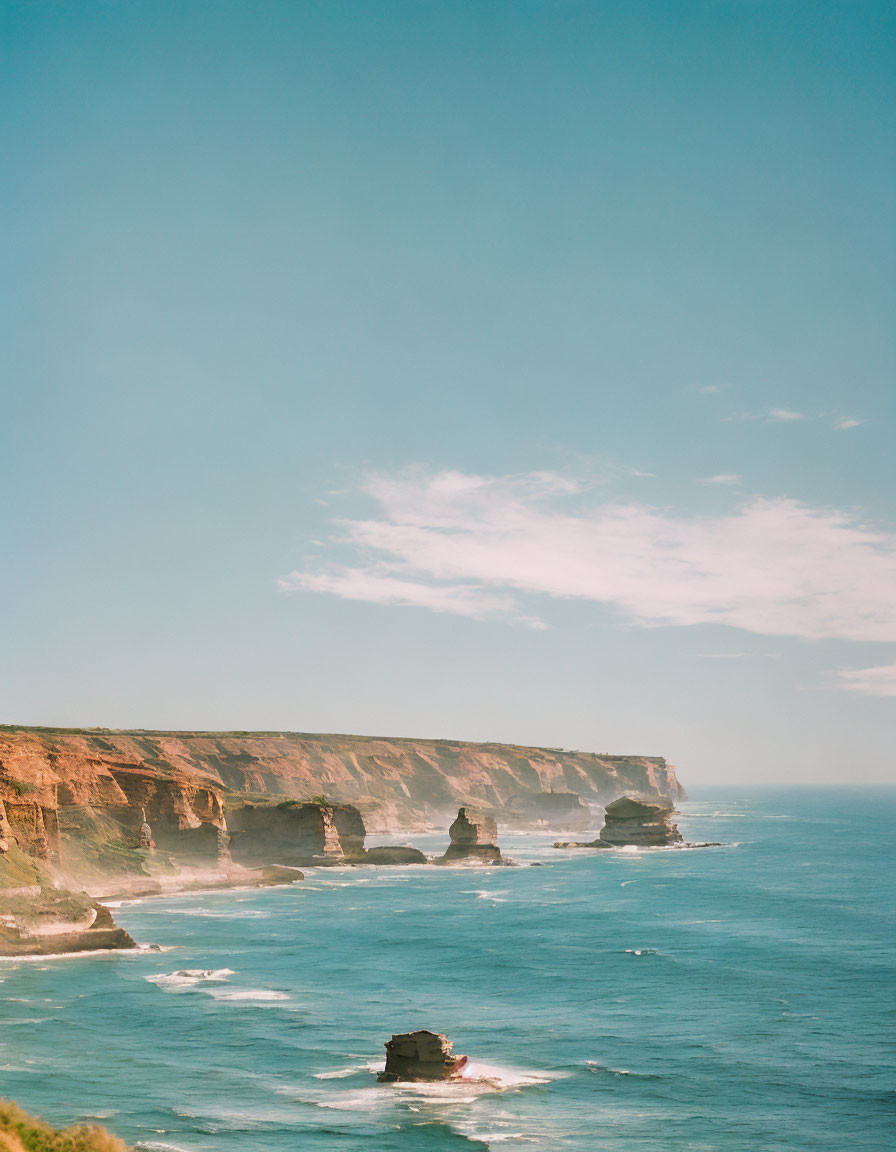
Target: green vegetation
<point>21,787</point>
<point>18,870</point>
<point>20,1132</point>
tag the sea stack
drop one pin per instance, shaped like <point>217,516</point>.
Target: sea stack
<point>420,1055</point>
<point>631,820</point>
<point>635,821</point>
<point>474,838</point>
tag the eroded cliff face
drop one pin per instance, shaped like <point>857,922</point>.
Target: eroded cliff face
<point>76,799</point>
<point>295,833</point>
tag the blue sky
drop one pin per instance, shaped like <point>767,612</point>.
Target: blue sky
<point>502,371</point>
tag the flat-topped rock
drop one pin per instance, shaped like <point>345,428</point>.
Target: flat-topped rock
<point>421,1055</point>
<point>634,820</point>
<point>273,874</point>
<point>394,854</point>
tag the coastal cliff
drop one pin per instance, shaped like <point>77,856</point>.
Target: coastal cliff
<point>192,808</point>
<point>184,779</point>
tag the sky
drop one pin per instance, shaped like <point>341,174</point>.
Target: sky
<point>514,371</point>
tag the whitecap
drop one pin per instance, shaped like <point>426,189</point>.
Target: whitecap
<point>158,1146</point>
<point>260,995</point>
<point>187,977</point>
<point>493,1137</point>
<point>642,951</point>
<point>596,1066</point>
<point>340,1073</point>
<point>474,1071</point>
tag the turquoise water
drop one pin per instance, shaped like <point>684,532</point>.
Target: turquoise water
<point>736,999</point>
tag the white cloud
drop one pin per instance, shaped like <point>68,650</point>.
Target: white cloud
<point>475,545</point>
<point>783,416</point>
<point>724,478</point>
<point>844,425</point>
<point>880,681</point>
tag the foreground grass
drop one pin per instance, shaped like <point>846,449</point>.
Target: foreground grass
<point>20,1132</point>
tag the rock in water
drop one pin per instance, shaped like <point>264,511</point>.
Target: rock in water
<point>421,1056</point>
<point>273,874</point>
<point>641,822</point>
<point>474,838</point>
<point>633,821</point>
<point>394,854</point>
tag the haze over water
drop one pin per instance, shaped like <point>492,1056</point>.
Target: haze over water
<point>723,999</point>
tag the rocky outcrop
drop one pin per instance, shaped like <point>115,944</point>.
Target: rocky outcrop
<point>38,918</point>
<point>474,839</point>
<point>296,833</point>
<point>53,923</point>
<point>273,874</point>
<point>638,821</point>
<point>421,1056</point>
<point>563,811</point>
<point>394,854</point>
<point>633,821</point>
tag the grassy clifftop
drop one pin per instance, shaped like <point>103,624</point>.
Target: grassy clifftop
<point>20,1132</point>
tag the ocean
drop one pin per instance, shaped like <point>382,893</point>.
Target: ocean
<point>730,999</point>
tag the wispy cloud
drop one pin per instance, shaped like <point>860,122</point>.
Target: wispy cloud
<point>771,416</point>
<point>479,546</point>
<point>790,416</point>
<point>879,681</point>
<point>727,479</point>
<point>738,655</point>
<point>783,416</point>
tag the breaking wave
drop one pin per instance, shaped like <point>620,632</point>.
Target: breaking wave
<point>188,977</point>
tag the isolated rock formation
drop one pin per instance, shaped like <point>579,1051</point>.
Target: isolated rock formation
<point>421,1056</point>
<point>474,836</point>
<point>296,833</point>
<point>637,822</point>
<point>394,854</point>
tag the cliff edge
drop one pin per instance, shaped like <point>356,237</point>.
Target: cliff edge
<point>90,804</point>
